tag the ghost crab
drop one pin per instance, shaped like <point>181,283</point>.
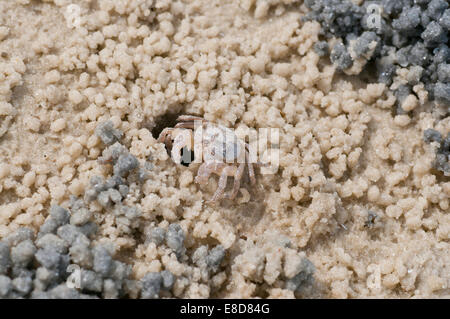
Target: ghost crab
<point>223,153</point>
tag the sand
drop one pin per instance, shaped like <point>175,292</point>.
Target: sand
<point>355,192</point>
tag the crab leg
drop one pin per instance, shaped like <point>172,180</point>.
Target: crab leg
<point>251,171</point>
<point>190,118</point>
<point>187,125</point>
<point>188,121</point>
<point>227,171</point>
<point>203,173</point>
<point>237,181</point>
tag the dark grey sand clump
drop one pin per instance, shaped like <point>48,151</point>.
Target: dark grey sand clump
<point>411,34</point>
